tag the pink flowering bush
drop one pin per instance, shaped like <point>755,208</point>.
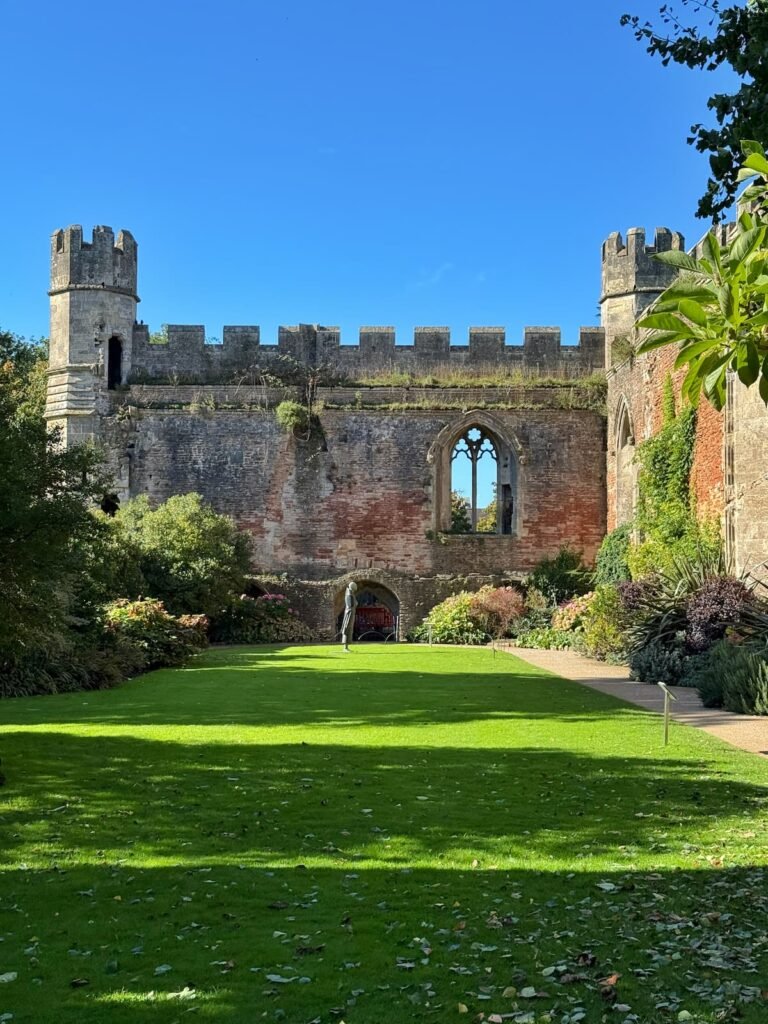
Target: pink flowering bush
<point>570,616</point>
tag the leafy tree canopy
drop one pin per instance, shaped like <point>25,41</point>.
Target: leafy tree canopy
<point>189,556</point>
<point>46,524</point>
<point>23,365</point>
<point>717,310</point>
<point>735,37</point>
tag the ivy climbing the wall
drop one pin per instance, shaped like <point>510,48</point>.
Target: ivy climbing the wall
<point>666,519</point>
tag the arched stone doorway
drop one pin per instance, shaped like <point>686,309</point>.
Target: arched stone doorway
<point>378,612</point>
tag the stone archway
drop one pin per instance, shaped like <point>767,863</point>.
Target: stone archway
<point>378,612</point>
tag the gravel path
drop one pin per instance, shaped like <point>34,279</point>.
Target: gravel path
<point>749,732</point>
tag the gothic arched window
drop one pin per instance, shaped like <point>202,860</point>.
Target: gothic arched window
<point>476,477</point>
<point>474,472</point>
<point>481,484</point>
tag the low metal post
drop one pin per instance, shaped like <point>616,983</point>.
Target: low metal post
<point>668,696</point>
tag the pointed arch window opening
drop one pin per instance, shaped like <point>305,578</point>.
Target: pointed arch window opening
<point>475,445</point>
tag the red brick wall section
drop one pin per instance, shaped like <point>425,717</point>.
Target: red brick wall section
<point>361,496</point>
<point>640,383</point>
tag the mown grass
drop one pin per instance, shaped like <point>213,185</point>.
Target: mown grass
<point>397,834</point>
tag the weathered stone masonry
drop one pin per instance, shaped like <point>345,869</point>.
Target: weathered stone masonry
<point>730,469</point>
<point>366,496</point>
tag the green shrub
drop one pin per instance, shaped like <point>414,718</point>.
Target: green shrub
<point>93,662</point>
<point>660,662</point>
<point>473,618</point>
<point>453,621</point>
<point>545,638</point>
<point>293,417</point>
<point>611,564</point>
<point>735,678</point>
<point>190,557</point>
<point>158,637</point>
<point>603,624</point>
<point>561,577</point>
<point>268,619</point>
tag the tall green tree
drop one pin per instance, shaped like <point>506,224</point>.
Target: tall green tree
<point>717,36</point>
<point>189,556</point>
<point>46,523</point>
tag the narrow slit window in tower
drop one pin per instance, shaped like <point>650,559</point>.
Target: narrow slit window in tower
<point>114,363</point>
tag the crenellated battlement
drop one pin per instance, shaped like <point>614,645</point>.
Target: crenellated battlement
<point>632,279</point>
<point>186,354</point>
<point>629,267</point>
<point>105,262</point>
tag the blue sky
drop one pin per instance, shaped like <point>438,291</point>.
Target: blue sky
<point>343,163</point>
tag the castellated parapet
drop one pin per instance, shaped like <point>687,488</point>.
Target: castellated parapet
<point>632,279</point>
<point>186,355</point>
<point>104,262</point>
<point>93,314</point>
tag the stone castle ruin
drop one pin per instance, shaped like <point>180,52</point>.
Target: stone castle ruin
<point>364,492</point>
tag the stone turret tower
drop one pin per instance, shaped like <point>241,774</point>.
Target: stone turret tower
<point>632,279</point>
<point>93,312</point>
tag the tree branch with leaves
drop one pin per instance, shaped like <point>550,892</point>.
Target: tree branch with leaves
<point>717,310</point>
<point>734,37</point>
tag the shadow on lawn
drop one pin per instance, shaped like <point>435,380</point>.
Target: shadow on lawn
<point>257,804</point>
<point>337,863</point>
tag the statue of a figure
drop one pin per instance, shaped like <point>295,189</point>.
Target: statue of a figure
<point>350,607</point>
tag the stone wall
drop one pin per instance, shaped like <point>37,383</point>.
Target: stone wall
<point>359,495</point>
<point>185,356</point>
<point>746,478</point>
<point>638,386</point>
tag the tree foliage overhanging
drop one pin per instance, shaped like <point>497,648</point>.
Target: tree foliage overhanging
<point>734,37</point>
<point>717,310</point>
<point>70,575</point>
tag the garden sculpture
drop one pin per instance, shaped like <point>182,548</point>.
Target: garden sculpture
<point>350,607</point>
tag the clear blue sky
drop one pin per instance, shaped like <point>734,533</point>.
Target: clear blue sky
<point>342,162</point>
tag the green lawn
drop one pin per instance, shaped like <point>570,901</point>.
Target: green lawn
<point>397,834</point>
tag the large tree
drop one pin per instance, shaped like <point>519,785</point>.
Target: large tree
<point>734,37</point>
<point>46,525</point>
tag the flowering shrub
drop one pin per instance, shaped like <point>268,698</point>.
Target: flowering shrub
<point>268,619</point>
<point>603,624</point>
<point>472,618</point>
<point>452,622</point>
<point>494,609</point>
<point>157,637</point>
<point>569,616</point>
